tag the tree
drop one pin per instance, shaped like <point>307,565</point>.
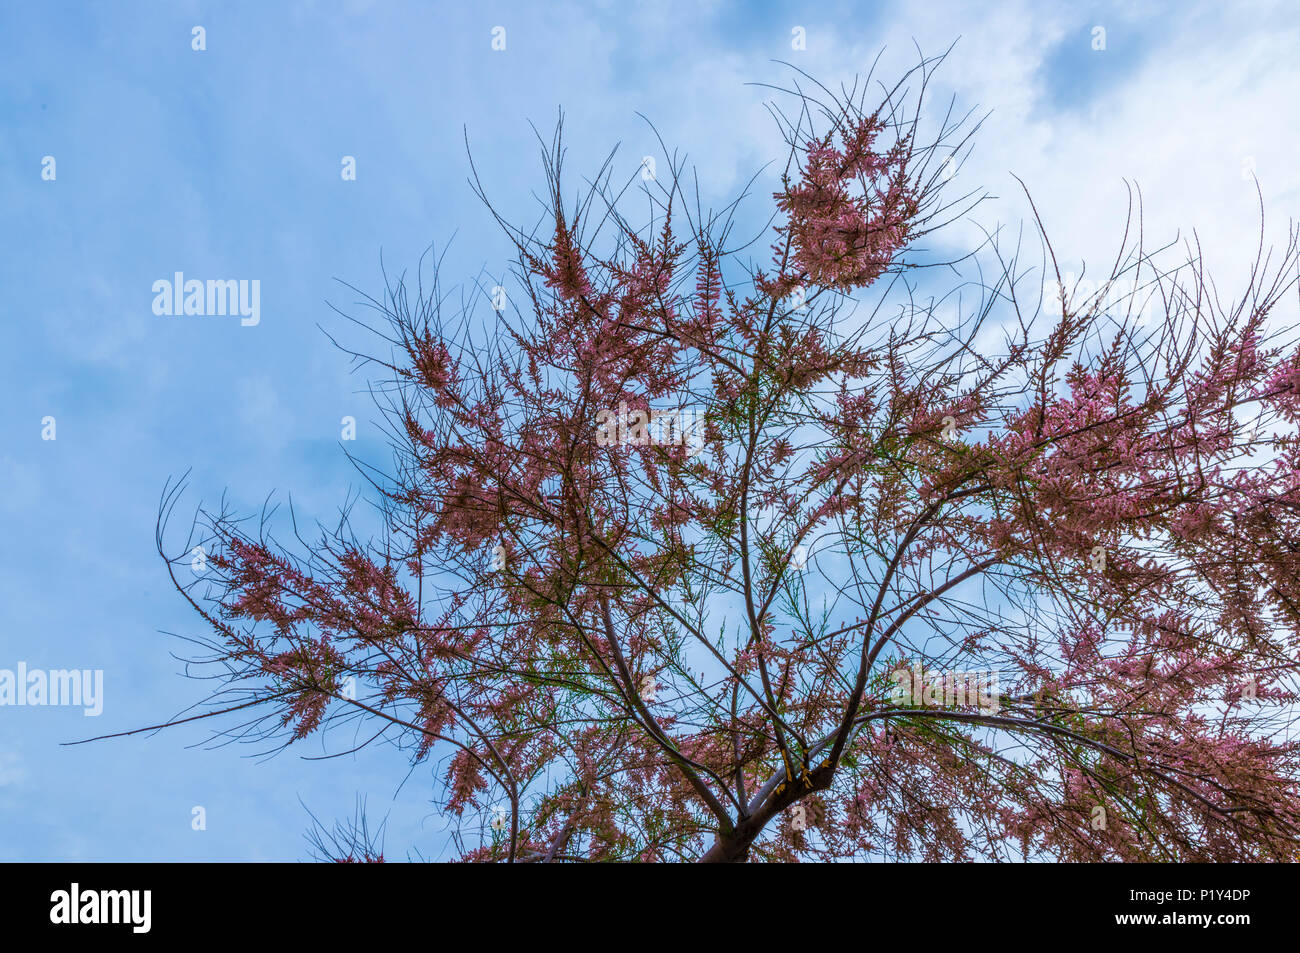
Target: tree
<point>686,556</point>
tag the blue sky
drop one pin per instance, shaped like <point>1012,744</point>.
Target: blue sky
<point>225,163</point>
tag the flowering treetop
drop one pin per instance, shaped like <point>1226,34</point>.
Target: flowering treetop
<point>746,632</point>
